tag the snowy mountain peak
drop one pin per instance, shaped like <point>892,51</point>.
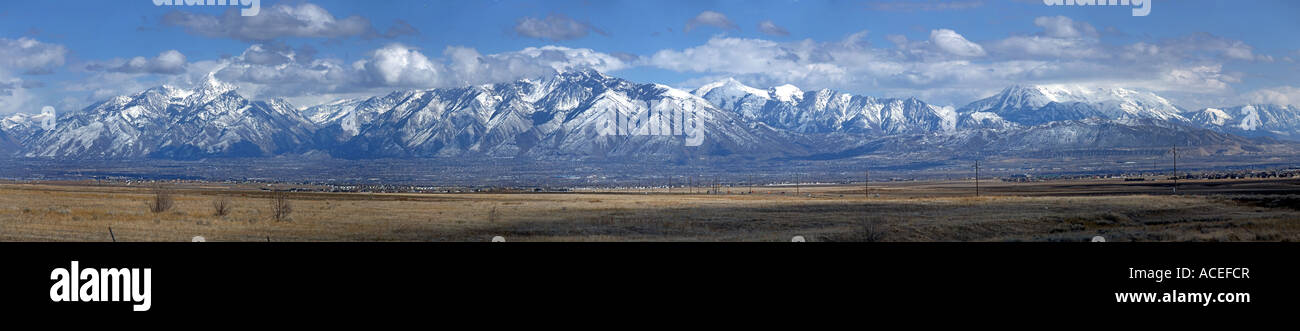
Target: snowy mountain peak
<point>790,108</point>
<point>207,90</point>
<point>731,88</point>
<point>675,93</point>
<point>735,96</point>
<point>21,119</point>
<point>1213,116</point>
<point>1038,104</point>
<point>168,122</point>
<point>1041,95</point>
<point>214,86</point>
<point>170,92</point>
<point>22,125</point>
<point>581,74</point>
<point>1252,120</point>
<point>330,111</point>
<point>787,93</point>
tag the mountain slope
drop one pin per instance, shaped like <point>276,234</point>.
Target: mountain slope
<point>168,122</point>
<point>8,144</point>
<point>586,115</point>
<point>1092,136</point>
<point>1258,120</point>
<point>1030,105</point>
<point>825,111</point>
<point>579,114</point>
<point>22,126</point>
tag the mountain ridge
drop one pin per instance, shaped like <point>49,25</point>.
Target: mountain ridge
<point>587,115</point>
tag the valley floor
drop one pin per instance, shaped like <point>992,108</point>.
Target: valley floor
<point>1218,210</point>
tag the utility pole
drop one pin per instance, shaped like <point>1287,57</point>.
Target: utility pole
<point>1175,169</point>
<point>977,178</point>
<point>866,185</point>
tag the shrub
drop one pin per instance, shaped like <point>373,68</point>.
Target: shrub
<point>873,230</point>
<point>280,206</point>
<point>221,206</point>
<point>162,200</point>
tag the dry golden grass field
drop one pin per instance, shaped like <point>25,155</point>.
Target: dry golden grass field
<point>1230,210</point>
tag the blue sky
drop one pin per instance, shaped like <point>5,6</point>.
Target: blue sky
<point>1197,53</point>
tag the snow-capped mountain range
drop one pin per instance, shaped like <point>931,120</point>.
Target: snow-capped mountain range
<point>1252,120</point>
<point>169,122</point>
<point>23,124</point>
<point>560,116</point>
<point>584,114</point>
<point>1040,104</point>
<point>824,111</point>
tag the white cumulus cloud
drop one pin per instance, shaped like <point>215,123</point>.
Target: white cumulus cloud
<point>771,29</point>
<point>554,27</point>
<point>31,56</point>
<point>711,18</point>
<point>400,65</point>
<point>167,62</point>
<point>1064,27</point>
<point>1281,95</point>
<point>953,43</point>
<point>302,20</point>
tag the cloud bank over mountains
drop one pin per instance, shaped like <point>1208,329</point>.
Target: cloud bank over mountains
<point>943,66</point>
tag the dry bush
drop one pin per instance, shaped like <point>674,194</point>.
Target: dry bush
<point>280,206</point>
<point>221,206</point>
<point>873,230</point>
<point>162,200</point>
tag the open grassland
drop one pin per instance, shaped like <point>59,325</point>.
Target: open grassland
<point>1258,210</point>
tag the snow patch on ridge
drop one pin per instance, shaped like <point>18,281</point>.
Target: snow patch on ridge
<point>787,92</point>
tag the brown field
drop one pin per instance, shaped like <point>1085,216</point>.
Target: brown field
<point>1227,210</point>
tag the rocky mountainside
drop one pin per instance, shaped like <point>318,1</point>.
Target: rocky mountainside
<point>8,143</point>
<point>822,111</point>
<point>1029,105</point>
<point>22,125</point>
<point>1282,122</point>
<point>580,114</point>
<point>587,115</point>
<point>169,122</point>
